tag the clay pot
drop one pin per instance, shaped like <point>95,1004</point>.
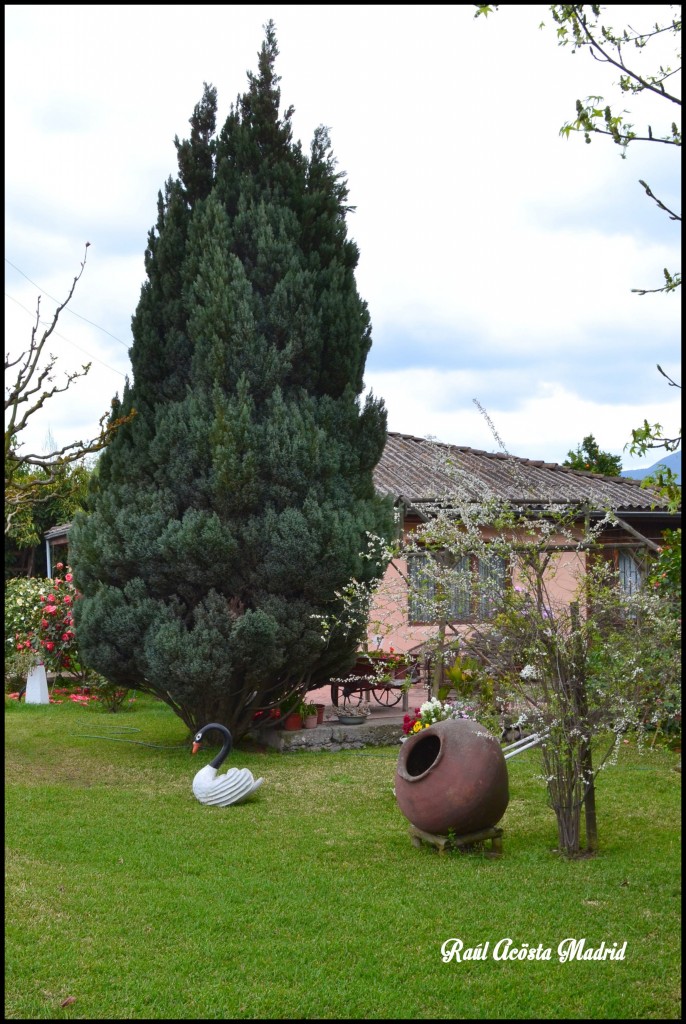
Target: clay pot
<point>310,722</point>
<point>452,776</point>
<point>321,708</point>
<point>293,721</point>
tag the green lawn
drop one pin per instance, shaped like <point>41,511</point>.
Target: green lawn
<point>125,893</point>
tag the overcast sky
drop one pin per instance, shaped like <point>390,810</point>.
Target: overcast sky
<point>496,257</point>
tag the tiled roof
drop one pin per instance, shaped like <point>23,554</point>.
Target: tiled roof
<point>417,470</point>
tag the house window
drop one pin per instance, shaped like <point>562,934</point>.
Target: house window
<point>630,573</point>
<point>492,577</point>
<point>438,590</point>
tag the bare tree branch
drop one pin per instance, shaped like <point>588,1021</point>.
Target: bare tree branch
<point>30,478</point>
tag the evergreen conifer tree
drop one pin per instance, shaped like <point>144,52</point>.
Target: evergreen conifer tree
<point>229,513</point>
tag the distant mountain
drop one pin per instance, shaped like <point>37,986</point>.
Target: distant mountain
<point>672,461</point>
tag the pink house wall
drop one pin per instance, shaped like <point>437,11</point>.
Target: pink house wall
<point>389,624</point>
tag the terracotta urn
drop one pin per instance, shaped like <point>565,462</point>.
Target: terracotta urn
<point>452,777</point>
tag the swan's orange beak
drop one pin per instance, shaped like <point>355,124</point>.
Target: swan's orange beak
<point>196,748</point>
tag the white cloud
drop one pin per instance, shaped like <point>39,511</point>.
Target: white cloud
<point>494,254</point>
<point>548,420</point>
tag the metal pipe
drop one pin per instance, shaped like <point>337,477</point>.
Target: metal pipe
<point>518,743</point>
<point>524,744</point>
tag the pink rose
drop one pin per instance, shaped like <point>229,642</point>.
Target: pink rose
<point>51,598</point>
<point>69,577</point>
<point>50,645</point>
<point>44,623</point>
<point>50,609</point>
<point>67,599</point>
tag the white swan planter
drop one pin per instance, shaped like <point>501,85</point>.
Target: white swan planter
<point>233,787</point>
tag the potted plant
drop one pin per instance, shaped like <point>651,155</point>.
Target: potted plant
<point>290,715</point>
<point>308,713</point>
<point>348,714</point>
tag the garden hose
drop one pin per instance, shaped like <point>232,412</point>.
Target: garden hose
<point>138,743</point>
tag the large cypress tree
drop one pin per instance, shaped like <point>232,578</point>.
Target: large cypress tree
<point>230,511</point>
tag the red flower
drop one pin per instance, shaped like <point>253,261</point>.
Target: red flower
<point>409,721</point>
<point>50,645</point>
<point>50,609</point>
<point>44,623</point>
<point>60,565</point>
<point>67,599</point>
<point>69,577</point>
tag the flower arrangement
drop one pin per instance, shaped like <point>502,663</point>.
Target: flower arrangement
<point>386,665</point>
<point>49,638</point>
<point>435,710</point>
<point>378,654</point>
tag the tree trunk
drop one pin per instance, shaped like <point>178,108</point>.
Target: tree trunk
<point>586,757</point>
<point>589,801</point>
